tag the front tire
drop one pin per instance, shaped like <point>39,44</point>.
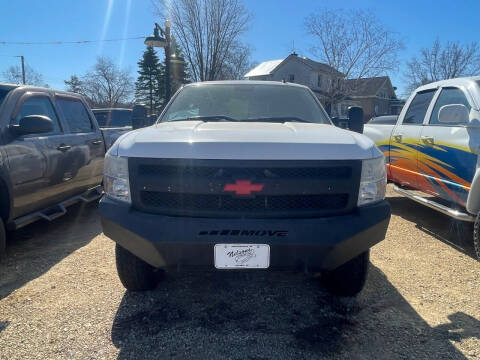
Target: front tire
<point>3,239</point>
<point>476,237</point>
<point>348,279</point>
<point>134,273</point>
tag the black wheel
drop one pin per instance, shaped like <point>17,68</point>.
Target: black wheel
<point>476,236</point>
<point>3,238</point>
<point>348,279</point>
<point>134,273</point>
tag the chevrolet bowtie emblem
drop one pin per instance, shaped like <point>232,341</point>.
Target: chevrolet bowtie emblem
<point>243,187</point>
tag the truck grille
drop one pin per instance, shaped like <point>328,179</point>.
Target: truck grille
<point>180,187</point>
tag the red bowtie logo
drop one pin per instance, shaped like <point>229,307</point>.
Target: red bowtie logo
<point>243,187</point>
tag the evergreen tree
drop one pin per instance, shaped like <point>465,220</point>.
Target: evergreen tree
<point>74,84</point>
<point>150,84</point>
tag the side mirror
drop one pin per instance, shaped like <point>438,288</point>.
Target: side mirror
<point>340,122</point>
<point>355,119</point>
<point>453,114</point>
<point>139,116</point>
<point>34,124</point>
<point>151,119</point>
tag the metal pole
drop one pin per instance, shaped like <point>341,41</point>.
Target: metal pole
<point>23,69</point>
<point>168,86</point>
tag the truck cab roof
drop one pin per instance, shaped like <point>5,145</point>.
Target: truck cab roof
<point>8,87</point>
<point>462,81</point>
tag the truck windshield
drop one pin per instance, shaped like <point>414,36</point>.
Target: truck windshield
<point>3,95</point>
<point>245,102</point>
<point>113,118</point>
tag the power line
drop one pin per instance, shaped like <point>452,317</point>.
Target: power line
<point>78,42</point>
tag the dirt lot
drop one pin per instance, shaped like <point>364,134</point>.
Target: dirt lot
<point>60,298</point>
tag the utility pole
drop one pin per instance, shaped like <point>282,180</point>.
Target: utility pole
<point>23,69</point>
<point>168,86</point>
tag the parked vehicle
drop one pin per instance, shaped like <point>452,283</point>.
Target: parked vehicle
<point>384,120</point>
<point>434,146</point>
<point>242,175</point>
<point>113,122</point>
<point>51,155</point>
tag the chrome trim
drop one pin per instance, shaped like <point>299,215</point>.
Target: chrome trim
<point>458,215</point>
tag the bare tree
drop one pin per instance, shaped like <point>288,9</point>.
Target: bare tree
<point>207,31</point>
<point>355,44</point>
<point>106,84</point>
<point>14,75</point>
<point>237,63</point>
<point>441,62</point>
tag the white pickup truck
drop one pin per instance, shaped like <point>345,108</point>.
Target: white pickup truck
<point>434,147</point>
<point>245,175</point>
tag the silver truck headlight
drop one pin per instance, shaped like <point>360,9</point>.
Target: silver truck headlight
<point>373,181</point>
<point>115,181</point>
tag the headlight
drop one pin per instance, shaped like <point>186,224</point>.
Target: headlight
<point>373,181</point>
<point>116,184</point>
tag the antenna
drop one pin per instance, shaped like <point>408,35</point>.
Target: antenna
<point>293,48</point>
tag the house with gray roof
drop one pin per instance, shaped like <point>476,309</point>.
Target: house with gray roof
<point>298,69</point>
<point>375,95</point>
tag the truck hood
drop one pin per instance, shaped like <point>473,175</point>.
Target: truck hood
<point>246,141</point>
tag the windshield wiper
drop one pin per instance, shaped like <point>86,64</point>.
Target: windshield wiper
<point>279,119</point>
<point>207,118</point>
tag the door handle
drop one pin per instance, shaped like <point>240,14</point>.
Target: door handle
<point>428,140</point>
<point>63,147</point>
<point>97,142</point>
<point>397,137</point>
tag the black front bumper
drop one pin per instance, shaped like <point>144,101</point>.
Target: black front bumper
<point>315,243</point>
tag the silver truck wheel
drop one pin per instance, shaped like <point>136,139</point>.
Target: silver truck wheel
<point>134,273</point>
<point>476,237</point>
<point>348,279</point>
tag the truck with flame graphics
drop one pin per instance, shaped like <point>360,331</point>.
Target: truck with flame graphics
<point>434,147</point>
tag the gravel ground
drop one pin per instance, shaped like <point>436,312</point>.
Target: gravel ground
<point>60,298</point>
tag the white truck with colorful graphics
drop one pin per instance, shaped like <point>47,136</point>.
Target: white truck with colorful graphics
<point>434,148</point>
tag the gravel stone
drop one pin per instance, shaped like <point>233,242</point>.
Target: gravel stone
<point>60,298</point>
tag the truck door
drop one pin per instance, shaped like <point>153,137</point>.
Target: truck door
<point>33,159</point>
<point>447,154</point>
<point>405,140</point>
<point>87,146</point>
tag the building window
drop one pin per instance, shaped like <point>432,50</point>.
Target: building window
<point>291,78</point>
<point>319,80</point>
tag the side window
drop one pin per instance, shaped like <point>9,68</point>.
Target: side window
<point>446,97</point>
<point>38,105</point>
<point>418,108</point>
<point>75,115</point>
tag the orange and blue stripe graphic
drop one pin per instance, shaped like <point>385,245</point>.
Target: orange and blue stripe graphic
<point>442,169</point>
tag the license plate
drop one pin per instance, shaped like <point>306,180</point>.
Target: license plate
<point>242,256</point>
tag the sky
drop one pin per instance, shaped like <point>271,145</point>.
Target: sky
<point>276,28</point>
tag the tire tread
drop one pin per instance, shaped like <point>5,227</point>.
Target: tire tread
<point>134,273</point>
<point>348,279</point>
<point>476,237</point>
